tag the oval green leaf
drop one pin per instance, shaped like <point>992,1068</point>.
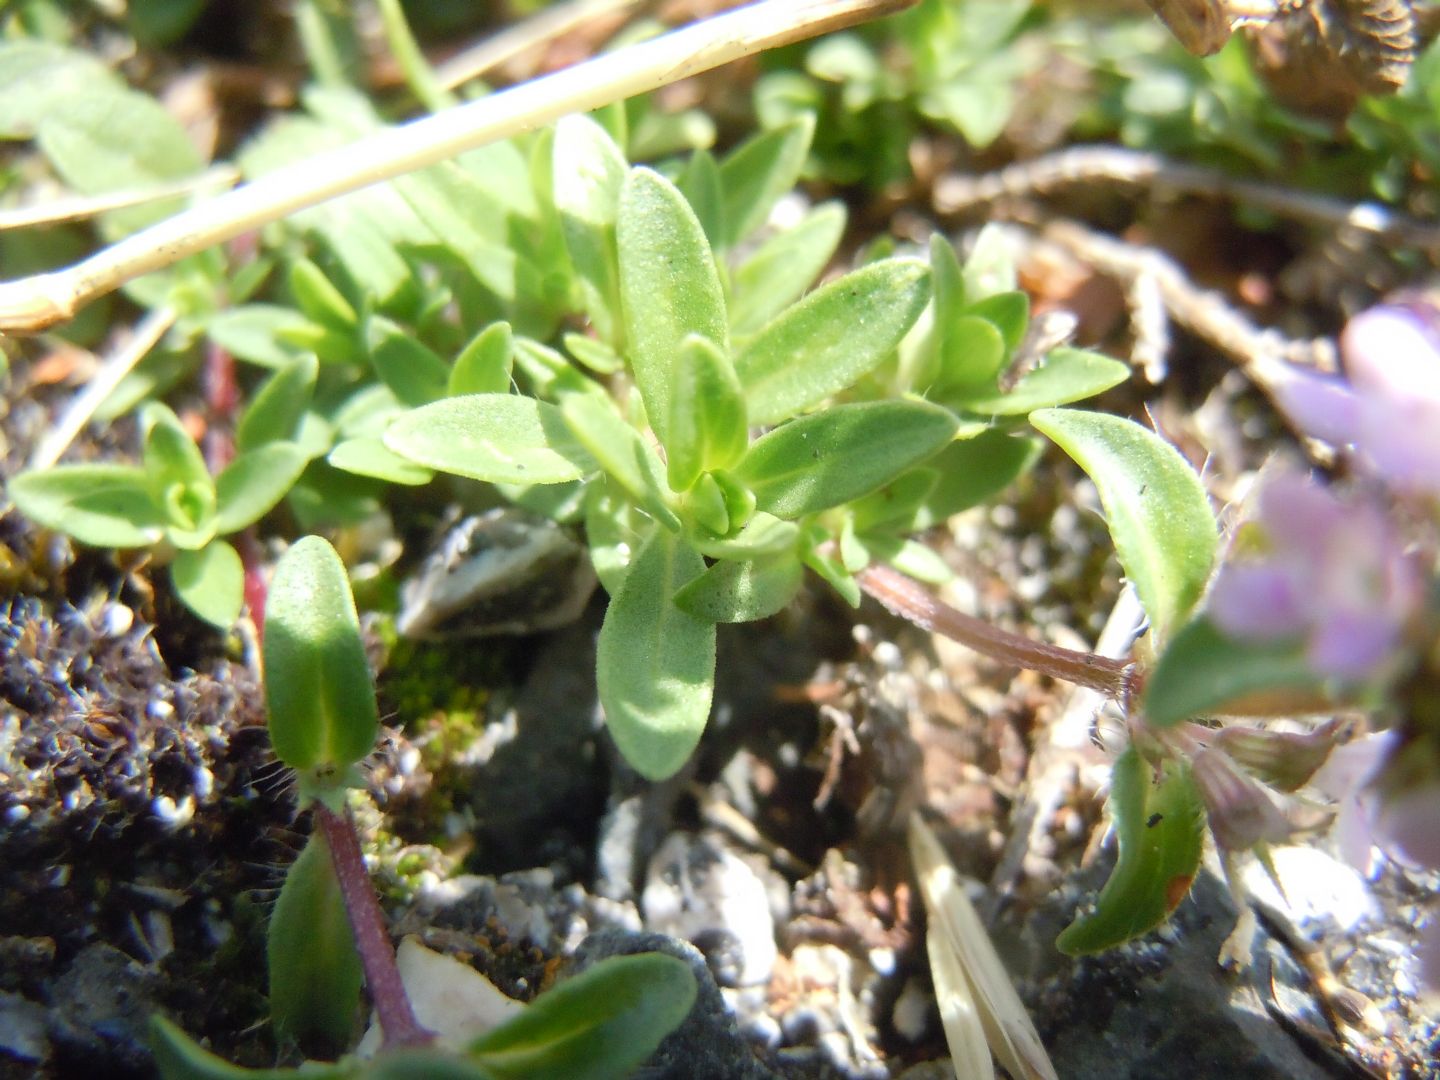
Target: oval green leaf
<point>210,582</point>
<point>1156,507</point>
<point>824,343</point>
<point>103,505</point>
<point>314,967</point>
<point>274,413</point>
<point>1066,375</point>
<point>655,664</point>
<point>502,438</point>
<point>1160,827</point>
<point>254,482</point>
<point>708,429</point>
<point>736,592</point>
<point>622,452</point>
<point>783,267</point>
<point>318,689</point>
<point>416,375</point>
<point>669,287</point>
<point>831,457</point>
<point>366,455</point>
<point>1202,670</point>
<point>484,365</point>
<point>602,1023</point>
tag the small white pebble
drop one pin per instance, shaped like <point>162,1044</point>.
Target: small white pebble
<point>883,961</point>
<point>18,812</point>
<point>174,815</point>
<point>204,781</point>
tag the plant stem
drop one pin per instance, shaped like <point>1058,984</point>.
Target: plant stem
<point>398,1025</point>
<point>907,598</point>
<point>33,303</point>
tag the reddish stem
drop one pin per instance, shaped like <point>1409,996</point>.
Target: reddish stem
<point>907,598</point>
<point>398,1025</point>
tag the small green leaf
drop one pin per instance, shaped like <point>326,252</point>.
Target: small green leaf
<point>1157,511</point>
<point>1160,827</point>
<point>972,355</point>
<point>594,354</point>
<point>484,365</point>
<point>669,287</point>
<point>109,140</point>
<point>828,340</point>
<point>973,471</point>
<point>708,429</point>
<point>318,691</point>
<point>317,296</point>
<point>210,582</point>
<point>589,171</point>
<point>414,1063</point>
<point>180,483</point>
<point>700,184</point>
<point>621,452</point>
<point>897,503</point>
<point>1064,376</point>
<point>254,482</point>
<point>179,1057</point>
<point>615,529</point>
<point>655,664</point>
<point>275,411</point>
<point>314,967</point>
<point>415,374</point>
<point>39,77</point>
<point>258,333</point>
<point>736,592</point>
<point>1202,670</point>
<point>366,455</point>
<point>1010,314</point>
<point>763,534</point>
<point>783,267</point>
<point>816,553</point>
<point>759,171</point>
<point>102,505</point>
<point>599,1025</point>
<point>828,458</point>
<point>990,268</point>
<point>502,438</point>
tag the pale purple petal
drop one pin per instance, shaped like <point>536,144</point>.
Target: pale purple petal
<point>1354,833</point>
<point>1351,645</point>
<point>1256,602</point>
<point>1399,439</point>
<point>1321,406</point>
<point>1299,516</point>
<point>1350,768</point>
<point>1394,349</point>
<point>1408,828</point>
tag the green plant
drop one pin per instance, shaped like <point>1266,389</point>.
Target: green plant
<point>327,929</point>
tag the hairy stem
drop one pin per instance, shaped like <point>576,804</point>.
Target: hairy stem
<point>907,598</point>
<point>377,956</point>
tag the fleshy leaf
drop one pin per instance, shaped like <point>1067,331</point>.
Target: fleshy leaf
<point>502,438</point>
<point>669,287</point>
<point>1157,511</point>
<point>828,340</point>
<point>763,534</point>
<point>974,470</point>
<point>103,505</point>
<point>179,1057</point>
<point>828,458</point>
<point>600,1024</point>
<point>758,172</point>
<point>589,170</point>
<point>314,966</point>
<point>1066,375</point>
<point>484,365</point>
<point>254,482</point>
<point>1160,827</point>
<point>1202,670</point>
<point>736,592</point>
<point>707,414</point>
<point>367,455</point>
<point>318,691</point>
<point>316,295</point>
<point>275,411</point>
<point>180,483</point>
<point>258,332</point>
<point>783,267</point>
<point>655,664</point>
<point>622,452</point>
<point>210,582</point>
<point>415,374</point>
<point>39,77</point>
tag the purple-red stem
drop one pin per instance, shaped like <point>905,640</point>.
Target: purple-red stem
<point>398,1025</point>
<point>910,600</point>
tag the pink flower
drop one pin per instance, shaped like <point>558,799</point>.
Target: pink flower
<point>1389,409</point>
<point>1312,567</point>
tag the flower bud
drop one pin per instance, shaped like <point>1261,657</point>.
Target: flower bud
<point>1285,760</point>
<point>1241,812</point>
